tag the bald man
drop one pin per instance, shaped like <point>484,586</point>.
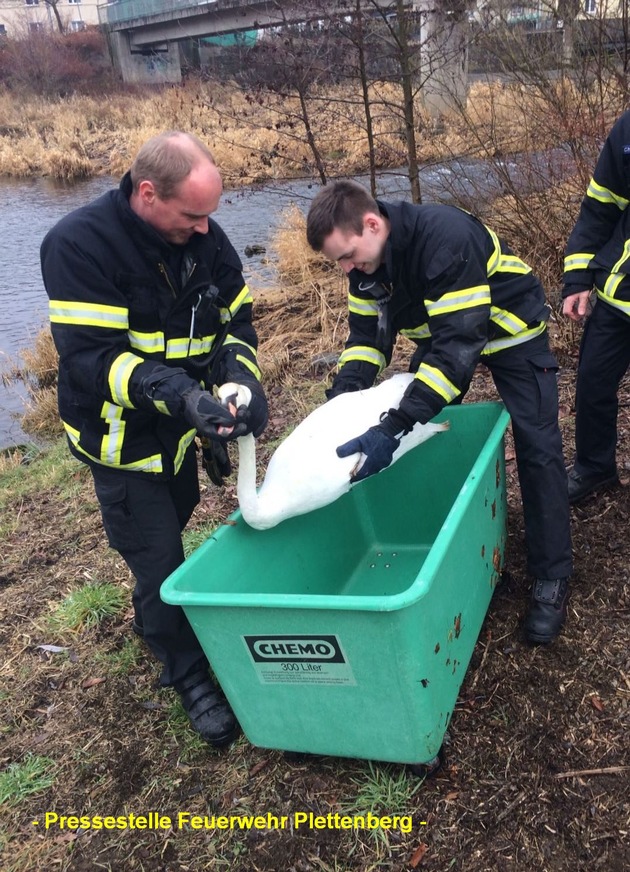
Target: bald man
<point>149,310</point>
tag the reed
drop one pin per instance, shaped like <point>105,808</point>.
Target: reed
<point>260,136</point>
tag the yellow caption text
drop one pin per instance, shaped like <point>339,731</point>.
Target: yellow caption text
<point>185,820</point>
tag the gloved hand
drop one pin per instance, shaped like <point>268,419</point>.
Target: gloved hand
<point>254,417</point>
<point>377,445</point>
<point>207,415</point>
<point>215,461</point>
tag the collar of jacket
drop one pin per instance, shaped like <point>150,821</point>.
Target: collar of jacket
<point>402,218</point>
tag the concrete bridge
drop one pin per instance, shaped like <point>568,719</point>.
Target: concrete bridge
<point>144,35</point>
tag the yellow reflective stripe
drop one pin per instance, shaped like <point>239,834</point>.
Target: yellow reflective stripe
<point>244,296</point>
<point>147,464</point>
<point>624,257</point>
<point>507,320</point>
<point>150,343</point>
<point>495,345</point>
<point>622,305</point>
<point>251,366</point>
<point>88,314</point>
<point>183,346</point>
<point>184,442</point>
<point>119,376</point>
<point>233,340</point>
<point>421,332</point>
<point>615,278</point>
<point>359,306</point>
<point>112,442</point>
<point>364,353</point>
<point>605,195</point>
<point>454,301</point>
<point>579,260</point>
<point>161,407</point>
<point>512,264</point>
<point>437,381</point>
<point>495,258</point>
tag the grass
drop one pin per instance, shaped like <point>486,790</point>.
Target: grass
<point>382,791</point>
<point>89,606</point>
<point>26,471</point>
<point>21,780</point>
<point>122,661</point>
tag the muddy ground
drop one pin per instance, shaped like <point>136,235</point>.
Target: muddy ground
<point>536,768</point>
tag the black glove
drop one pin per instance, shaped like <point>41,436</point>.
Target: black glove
<point>378,447</point>
<point>378,443</point>
<point>215,461</point>
<point>172,391</point>
<point>207,415</point>
<point>254,417</point>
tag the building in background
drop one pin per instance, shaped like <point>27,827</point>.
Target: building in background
<point>20,17</point>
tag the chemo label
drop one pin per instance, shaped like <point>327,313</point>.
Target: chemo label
<point>299,660</point>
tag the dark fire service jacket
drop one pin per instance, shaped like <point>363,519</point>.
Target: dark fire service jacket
<point>124,304</point>
<point>450,285</point>
<point>598,251</point>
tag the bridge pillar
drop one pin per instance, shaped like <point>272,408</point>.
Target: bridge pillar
<point>159,65</point>
<point>444,37</point>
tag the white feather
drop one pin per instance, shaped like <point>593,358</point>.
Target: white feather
<point>305,473</point>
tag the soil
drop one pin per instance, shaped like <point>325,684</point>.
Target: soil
<point>536,764</point>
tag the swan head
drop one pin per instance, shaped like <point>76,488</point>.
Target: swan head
<point>234,395</point>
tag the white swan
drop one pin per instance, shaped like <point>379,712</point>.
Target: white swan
<point>304,472</point>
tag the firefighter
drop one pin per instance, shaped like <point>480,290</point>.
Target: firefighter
<point>598,258</point>
<point>149,310</point>
<point>437,275</point>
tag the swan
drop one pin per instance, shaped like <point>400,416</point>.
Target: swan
<point>304,472</point>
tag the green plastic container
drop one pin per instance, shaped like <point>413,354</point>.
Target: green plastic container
<point>348,631</point>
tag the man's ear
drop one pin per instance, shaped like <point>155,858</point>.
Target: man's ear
<point>372,222</point>
<point>146,192</point>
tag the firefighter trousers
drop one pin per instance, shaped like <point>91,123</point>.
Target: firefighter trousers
<point>604,360</point>
<point>143,519</point>
<point>525,376</point>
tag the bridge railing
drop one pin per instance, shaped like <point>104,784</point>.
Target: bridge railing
<point>127,10</point>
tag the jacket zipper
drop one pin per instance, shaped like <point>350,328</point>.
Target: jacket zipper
<point>167,279</point>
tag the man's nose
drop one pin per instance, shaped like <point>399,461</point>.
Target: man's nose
<point>201,226</point>
<point>347,266</point>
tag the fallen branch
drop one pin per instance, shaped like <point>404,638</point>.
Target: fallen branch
<point>609,770</point>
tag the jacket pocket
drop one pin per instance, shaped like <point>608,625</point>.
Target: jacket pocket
<point>122,529</point>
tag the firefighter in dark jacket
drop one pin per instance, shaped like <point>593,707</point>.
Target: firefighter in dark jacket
<point>437,275</point>
<point>598,258</point>
<point>149,310</point>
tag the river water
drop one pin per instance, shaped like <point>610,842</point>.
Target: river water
<point>28,209</point>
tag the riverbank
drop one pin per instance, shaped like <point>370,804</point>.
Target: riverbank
<point>258,136</point>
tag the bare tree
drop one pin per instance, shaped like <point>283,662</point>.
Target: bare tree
<point>54,6</point>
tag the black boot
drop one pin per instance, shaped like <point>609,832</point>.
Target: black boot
<point>547,610</point>
<point>209,711</point>
<point>580,486</point>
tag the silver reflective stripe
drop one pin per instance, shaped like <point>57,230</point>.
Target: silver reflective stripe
<point>605,195</point>
<point>88,314</point>
<point>577,261</point>
<point>500,344</point>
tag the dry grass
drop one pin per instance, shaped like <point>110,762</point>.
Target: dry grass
<point>260,137</point>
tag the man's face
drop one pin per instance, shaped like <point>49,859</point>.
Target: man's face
<point>185,213</point>
<point>353,251</point>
